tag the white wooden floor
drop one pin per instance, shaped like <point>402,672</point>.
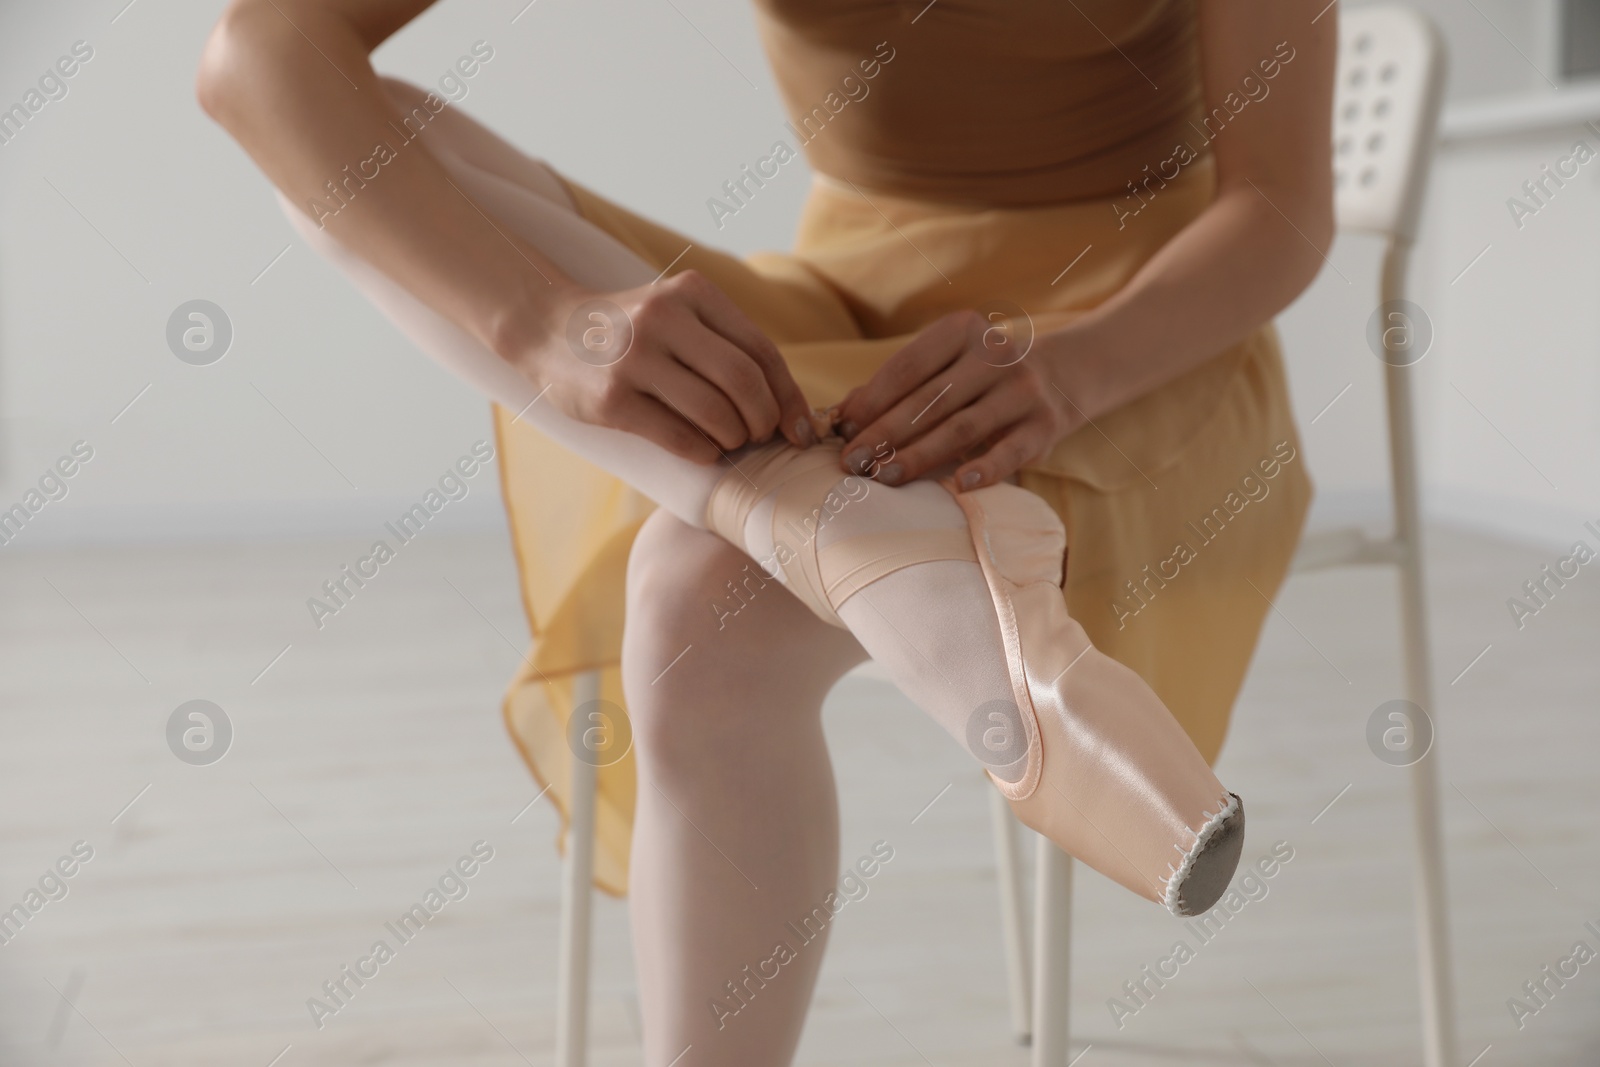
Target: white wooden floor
<point>370,755</point>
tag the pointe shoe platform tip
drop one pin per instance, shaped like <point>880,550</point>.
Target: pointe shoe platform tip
<point>1198,882</point>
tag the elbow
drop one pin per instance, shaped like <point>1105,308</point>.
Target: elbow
<point>1303,263</point>
<point>212,78</point>
<point>1319,242</point>
<point>1305,243</point>
<point>1290,228</point>
<point>1322,224</point>
<point>246,32</point>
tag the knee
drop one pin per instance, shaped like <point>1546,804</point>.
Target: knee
<point>705,628</point>
<point>675,622</point>
<point>674,570</point>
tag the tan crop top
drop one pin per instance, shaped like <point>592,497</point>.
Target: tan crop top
<point>999,102</point>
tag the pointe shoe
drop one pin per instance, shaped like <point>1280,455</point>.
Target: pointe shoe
<point>1109,776</point>
<point>1112,778</point>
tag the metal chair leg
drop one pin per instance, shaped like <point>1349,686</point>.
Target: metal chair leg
<point>572,982</point>
<point>1013,921</point>
<point>1052,927</point>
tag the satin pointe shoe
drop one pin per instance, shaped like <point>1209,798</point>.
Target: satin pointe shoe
<point>1092,758</point>
<point>1112,778</point>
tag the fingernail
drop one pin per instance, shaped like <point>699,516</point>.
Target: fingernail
<point>847,430</point>
<point>971,479</point>
<point>803,432</point>
<point>892,474</point>
<point>858,460</point>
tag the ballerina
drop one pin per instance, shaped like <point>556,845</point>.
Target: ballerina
<point>694,380</point>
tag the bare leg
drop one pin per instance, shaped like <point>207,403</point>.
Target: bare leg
<point>736,826</point>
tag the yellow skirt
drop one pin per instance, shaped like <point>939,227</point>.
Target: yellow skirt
<point>1182,509</point>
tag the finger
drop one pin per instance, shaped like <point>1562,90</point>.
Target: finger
<point>922,410</point>
<point>654,421</point>
<point>949,441</point>
<point>732,372</point>
<point>718,311</point>
<point>924,356</point>
<point>1022,443</point>
<point>920,359</point>
<point>700,403</point>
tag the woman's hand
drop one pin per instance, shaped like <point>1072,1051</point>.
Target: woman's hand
<point>961,385</point>
<point>675,362</point>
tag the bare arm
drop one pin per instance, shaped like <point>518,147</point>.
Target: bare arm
<point>1254,248</point>
<point>292,81</point>
<point>1262,239</point>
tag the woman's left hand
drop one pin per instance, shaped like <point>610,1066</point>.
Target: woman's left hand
<point>958,388</point>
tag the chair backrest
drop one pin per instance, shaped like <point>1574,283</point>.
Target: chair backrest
<point>1386,108</point>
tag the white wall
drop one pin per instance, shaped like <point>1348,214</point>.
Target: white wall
<point>634,101</point>
<point>1496,46</point>
<point>1515,394</point>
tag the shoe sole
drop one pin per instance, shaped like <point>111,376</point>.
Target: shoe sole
<point>1204,877</point>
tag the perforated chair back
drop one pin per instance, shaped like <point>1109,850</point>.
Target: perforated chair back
<point>1391,77</point>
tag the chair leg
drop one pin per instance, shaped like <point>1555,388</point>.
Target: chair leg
<point>1433,931</point>
<point>1052,926</point>
<point>572,981</point>
<point>1433,925</point>
<point>1433,922</point>
<point>1013,922</point>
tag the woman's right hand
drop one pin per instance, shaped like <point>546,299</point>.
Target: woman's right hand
<point>675,362</point>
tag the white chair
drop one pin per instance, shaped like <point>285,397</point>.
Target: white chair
<point>572,975</point>
<point>1391,74</point>
<point>1391,77</point>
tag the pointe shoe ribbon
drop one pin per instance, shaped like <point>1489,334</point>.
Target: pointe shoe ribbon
<point>807,488</point>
